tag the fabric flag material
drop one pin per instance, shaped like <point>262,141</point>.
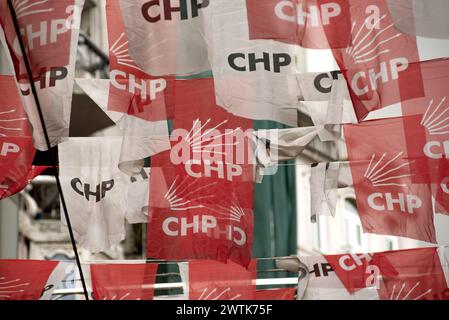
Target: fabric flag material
<point>202,189</point>
<point>418,275</point>
<point>413,274</point>
<point>212,280</point>
<point>325,284</point>
<point>421,17</point>
<point>123,281</point>
<point>95,191</point>
<point>389,201</point>
<point>166,37</point>
<point>432,113</point>
<point>316,24</point>
<point>16,144</point>
<point>255,79</point>
<point>137,102</point>
<point>380,61</point>
<point>29,279</point>
<point>50,30</point>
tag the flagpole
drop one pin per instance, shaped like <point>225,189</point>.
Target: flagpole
<point>47,140</point>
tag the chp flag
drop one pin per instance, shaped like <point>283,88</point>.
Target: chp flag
<point>201,204</point>
<point>49,30</point>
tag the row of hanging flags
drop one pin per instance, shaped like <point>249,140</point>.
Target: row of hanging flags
<point>197,194</point>
<point>413,274</point>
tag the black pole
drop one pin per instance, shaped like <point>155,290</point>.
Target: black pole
<point>47,140</point>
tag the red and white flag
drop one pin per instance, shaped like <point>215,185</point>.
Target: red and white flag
<point>414,274</point>
<point>202,189</point>
<point>166,37</point>
<point>50,30</point>
<point>123,281</point>
<point>29,279</point>
<point>16,144</point>
<point>212,280</point>
<point>379,61</point>
<point>389,200</point>
<point>137,102</point>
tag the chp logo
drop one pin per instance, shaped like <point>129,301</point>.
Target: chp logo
<point>314,15</point>
<point>372,47</point>
<point>248,62</point>
<point>157,10</point>
<point>379,60</point>
<point>215,221</point>
<point>436,122</point>
<point>45,26</point>
<point>215,151</point>
<point>127,76</point>
<point>390,173</point>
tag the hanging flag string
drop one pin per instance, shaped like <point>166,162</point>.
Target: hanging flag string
<point>47,141</point>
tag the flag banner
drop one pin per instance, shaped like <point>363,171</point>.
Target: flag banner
<point>95,191</point>
<point>212,280</point>
<point>325,284</point>
<point>123,281</point>
<point>16,143</point>
<point>421,17</point>
<point>202,189</point>
<point>275,294</point>
<point>255,79</point>
<point>418,275</point>
<point>166,37</point>
<point>30,279</point>
<point>431,111</point>
<point>380,60</point>
<point>131,90</point>
<point>389,201</point>
<point>413,274</point>
<point>50,30</point>
<point>141,138</point>
<point>316,24</point>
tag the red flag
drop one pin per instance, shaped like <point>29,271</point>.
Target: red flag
<point>358,271</point>
<point>380,61</point>
<point>132,90</point>
<point>418,275</point>
<point>16,144</point>
<point>202,190</point>
<point>211,280</point>
<point>25,279</point>
<point>389,201</point>
<point>432,111</point>
<point>123,281</point>
<point>396,275</point>
<point>317,24</point>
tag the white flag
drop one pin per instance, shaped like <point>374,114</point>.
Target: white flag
<point>95,191</point>
<point>166,37</point>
